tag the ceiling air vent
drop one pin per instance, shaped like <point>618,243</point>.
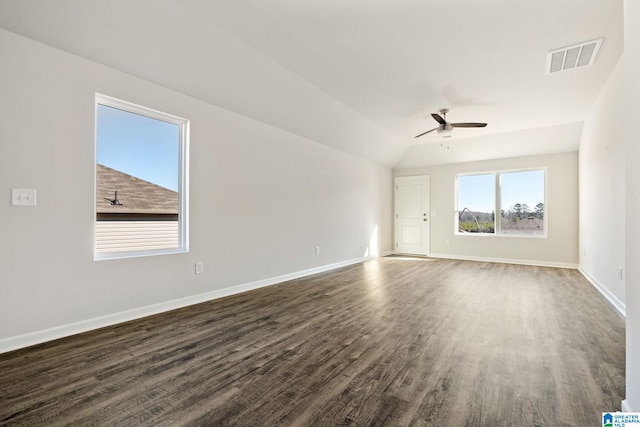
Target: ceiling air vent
<point>575,56</point>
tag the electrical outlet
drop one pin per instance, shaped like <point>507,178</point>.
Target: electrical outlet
<point>199,267</point>
<point>447,242</point>
<point>620,272</point>
<point>317,250</point>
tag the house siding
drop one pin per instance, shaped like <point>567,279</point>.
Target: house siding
<point>125,236</point>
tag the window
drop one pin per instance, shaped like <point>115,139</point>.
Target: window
<point>518,196</point>
<point>140,181</point>
<point>522,203</point>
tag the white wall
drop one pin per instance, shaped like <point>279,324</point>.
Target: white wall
<point>609,180</point>
<point>631,72</point>
<point>261,200</point>
<point>560,248</point>
<point>602,191</point>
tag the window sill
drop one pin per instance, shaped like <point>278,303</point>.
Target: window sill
<point>137,254</point>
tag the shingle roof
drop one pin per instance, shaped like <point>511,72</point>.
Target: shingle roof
<point>135,194</point>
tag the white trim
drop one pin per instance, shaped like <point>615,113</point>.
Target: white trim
<point>37,337</point>
<point>130,107</point>
<point>508,261</point>
<point>626,406</point>
<point>619,305</point>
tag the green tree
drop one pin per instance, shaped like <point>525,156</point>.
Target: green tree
<point>521,210</point>
<point>540,210</point>
<point>517,209</point>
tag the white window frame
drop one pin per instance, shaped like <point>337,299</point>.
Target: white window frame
<point>183,174</point>
<point>498,202</point>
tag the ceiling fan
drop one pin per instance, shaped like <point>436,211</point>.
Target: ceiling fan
<point>445,127</point>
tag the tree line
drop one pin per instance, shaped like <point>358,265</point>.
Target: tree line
<point>484,222</point>
<point>522,211</point>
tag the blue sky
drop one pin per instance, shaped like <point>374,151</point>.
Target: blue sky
<point>477,192</point>
<point>522,187</point>
<point>140,146</point>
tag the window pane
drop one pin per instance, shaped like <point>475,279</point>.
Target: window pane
<point>138,145</point>
<point>522,202</point>
<point>138,180</point>
<point>476,203</point>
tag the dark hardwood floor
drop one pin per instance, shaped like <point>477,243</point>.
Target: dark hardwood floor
<point>390,342</point>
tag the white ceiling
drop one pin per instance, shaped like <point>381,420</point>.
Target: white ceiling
<point>359,75</point>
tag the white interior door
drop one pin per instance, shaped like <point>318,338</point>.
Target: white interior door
<point>412,214</point>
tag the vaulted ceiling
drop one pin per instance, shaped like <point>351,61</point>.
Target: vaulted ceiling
<point>362,76</point>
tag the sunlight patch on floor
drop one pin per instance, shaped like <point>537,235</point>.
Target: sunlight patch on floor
<point>410,258</point>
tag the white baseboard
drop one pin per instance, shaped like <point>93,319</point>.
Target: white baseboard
<point>619,305</point>
<point>32,338</point>
<point>507,261</point>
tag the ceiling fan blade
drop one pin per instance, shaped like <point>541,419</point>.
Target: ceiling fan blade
<point>424,133</point>
<point>438,118</point>
<point>468,125</point>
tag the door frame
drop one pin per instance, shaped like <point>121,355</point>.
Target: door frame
<point>427,195</point>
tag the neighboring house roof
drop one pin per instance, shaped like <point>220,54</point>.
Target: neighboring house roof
<point>135,195</point>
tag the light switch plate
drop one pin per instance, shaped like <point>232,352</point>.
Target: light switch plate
<point>23,197</point>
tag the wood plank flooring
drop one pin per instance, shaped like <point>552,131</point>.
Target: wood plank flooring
<point>391,342</point>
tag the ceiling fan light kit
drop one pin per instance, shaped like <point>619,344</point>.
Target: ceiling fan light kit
<point>445,129</point>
